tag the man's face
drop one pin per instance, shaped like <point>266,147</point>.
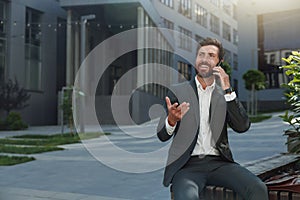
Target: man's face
<point>207,58</point>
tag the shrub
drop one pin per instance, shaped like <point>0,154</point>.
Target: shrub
<point>12,96</point>
<point>292,70</point>
<point>14,122</point>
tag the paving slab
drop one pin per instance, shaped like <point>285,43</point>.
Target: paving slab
<point>76,174</point>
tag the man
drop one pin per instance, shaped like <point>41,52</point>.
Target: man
<point>199,154</point>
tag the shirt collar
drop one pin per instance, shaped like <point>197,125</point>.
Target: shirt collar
<point>209,87</point>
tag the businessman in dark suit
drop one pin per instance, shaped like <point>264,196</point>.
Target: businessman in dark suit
<point>197,116</point>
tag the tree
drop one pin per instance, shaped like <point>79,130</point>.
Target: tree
<point>254,81</point>
<point>12,96</point>
<point>67,108</point>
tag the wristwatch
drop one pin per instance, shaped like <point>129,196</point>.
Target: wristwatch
<point>228,90</point>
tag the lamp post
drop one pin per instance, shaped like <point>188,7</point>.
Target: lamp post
<point>83,21</point>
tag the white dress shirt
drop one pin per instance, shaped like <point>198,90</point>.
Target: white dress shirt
<point>203,145</point>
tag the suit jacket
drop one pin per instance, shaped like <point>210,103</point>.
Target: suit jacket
<point>186,132</point>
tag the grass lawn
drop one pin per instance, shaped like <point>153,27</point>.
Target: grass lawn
<point>38,144</point>
<point>13,160</point>
<point>27,150</point>
<point>49,140</point>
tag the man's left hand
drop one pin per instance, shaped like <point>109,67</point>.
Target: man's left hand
<point>224,78</point>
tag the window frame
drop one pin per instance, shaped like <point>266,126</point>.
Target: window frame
<point>201,15</point>
<point>33,50</point>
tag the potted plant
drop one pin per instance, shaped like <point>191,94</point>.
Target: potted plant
<point>292,70</point>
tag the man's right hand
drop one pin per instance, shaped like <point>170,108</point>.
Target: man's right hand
<point>175,111</point>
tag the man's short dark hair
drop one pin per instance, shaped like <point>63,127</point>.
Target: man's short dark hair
<point>215,42</point>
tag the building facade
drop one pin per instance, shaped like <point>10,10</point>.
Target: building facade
<point>43,45</point>
<point>189,21</point>
<point>268,31</point>
<point>32,49</point>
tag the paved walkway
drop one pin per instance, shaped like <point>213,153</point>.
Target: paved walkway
<point>75,174</point>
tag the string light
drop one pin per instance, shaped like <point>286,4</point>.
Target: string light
<point>56,26</point>
<point>73,22</point>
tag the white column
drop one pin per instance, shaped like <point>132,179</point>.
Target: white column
<point>77,50</point>
<point>140,43</point>
<point>69,53</point>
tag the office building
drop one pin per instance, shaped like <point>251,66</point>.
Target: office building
<point>32,50</point>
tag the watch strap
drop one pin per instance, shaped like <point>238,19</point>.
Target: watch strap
<point>228,90</point>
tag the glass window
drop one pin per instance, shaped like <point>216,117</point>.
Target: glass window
<point>2,19</point>
<point>185,39</point>
<point>198,38</point>
<point>287,54</point>
<point>235,61</point>
<point>234,11</point>
<point>215,24</point>
<point>168,3</point>
<point>185,8</point>
<point>228,56</point>
<point>272,59</point>
<point>227,7</point>
<point>33,50</point>
<point>185,71</point>
<point>152,55</point>
<point>235,37</point>
<point>201,15</point>
<point>168,24</point>
<point>2,59</point>
<point>2,40</point>
<point>226,32</point>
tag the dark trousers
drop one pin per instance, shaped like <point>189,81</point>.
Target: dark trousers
<point>189,182</point>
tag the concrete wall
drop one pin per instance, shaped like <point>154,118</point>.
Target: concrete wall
<point>42,109</point>
<point>138,111</point>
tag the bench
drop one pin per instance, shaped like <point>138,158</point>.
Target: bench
<point>263,168</point>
